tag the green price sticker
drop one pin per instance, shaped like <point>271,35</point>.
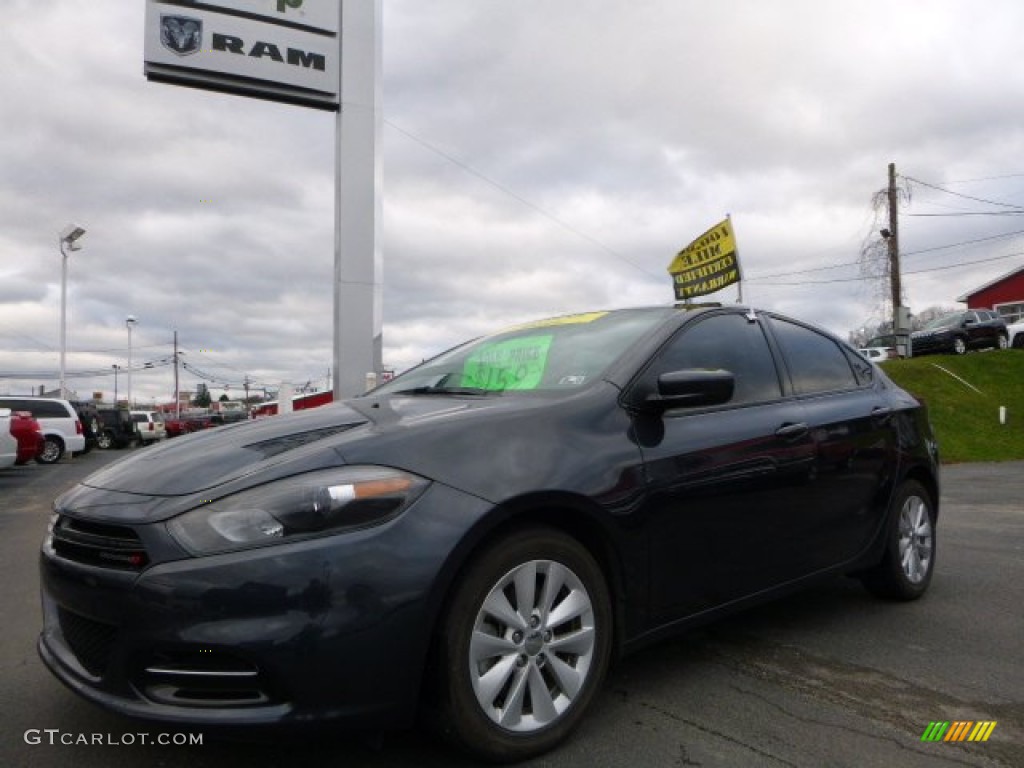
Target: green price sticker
<point>513,364</point>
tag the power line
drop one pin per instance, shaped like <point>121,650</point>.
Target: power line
<point>967,213</point>
<point>515,196</point>
<point>1017,208</point>
<point>912,272</point>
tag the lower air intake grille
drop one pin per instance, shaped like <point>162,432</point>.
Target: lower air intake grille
<point>91,641</point>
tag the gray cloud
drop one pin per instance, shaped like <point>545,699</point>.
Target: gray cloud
<point>539,158</point>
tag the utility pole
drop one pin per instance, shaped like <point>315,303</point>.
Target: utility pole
<point>177,396</point>
<point>893,241</point>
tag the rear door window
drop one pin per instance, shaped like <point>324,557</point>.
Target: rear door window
<point>816,362</point>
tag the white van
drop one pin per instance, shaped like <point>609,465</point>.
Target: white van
<point>62,430</point>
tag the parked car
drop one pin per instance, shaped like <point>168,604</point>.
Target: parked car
<point>192,422</point>
<point>1015,335</point>
<point>149,425</point>
<point>477,538</point>
<point>959,332</point>
<point>117,429</point>
<point>880,348</point>
<point>175,426</point>
<point>8,442</point>
<point>29,435</point>
<point>88,414</point>
<point>62,430</point>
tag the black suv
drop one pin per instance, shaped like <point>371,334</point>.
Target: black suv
<point>117,430</point>
<point>961,331</point>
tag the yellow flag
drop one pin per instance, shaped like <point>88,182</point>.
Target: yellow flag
<point>706,265</point>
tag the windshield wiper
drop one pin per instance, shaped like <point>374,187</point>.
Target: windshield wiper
<point>442,390</point>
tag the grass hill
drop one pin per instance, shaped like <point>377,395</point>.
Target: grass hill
<point>966,421</point>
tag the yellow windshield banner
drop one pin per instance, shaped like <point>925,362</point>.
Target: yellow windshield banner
<point>706,265</point>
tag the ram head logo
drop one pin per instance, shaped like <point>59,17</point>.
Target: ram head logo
<point>181,34</point>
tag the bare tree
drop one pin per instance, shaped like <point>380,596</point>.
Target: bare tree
<point>874,252</point>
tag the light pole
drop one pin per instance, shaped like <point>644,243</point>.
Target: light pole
<point>68,242</point>
<point>129,322</point>
<point>116,368</point>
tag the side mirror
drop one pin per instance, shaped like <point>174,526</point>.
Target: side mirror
<point>693,388</point>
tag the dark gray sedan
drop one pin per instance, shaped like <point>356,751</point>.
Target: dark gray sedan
<point>474,541</point>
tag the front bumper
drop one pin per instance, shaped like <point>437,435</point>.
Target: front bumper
<point>329,629</point>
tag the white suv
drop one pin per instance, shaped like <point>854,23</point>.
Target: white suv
<point>8,442</point>
<point>150,426</point>
<point>62,430</point>
<point>1016,332</point>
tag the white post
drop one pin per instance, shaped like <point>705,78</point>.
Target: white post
<point>129,322</point>
<point>68,242</point>
<point>63,319</point>
<point>358,314</point>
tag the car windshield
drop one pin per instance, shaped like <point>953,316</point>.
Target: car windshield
<point>945,321</point>
<point>558,354</point>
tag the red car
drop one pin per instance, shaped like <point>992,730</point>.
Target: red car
<point>29,435</point>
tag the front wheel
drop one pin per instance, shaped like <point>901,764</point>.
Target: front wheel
<point>959,346</point>
<point>104,440</point>
<point>523,647</point>
<point>1003,342</point>
<point>906,568</point>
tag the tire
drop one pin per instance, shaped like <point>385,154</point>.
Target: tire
<point>959,346</point>
<point>53,450</point>
<point>1002,342</point>
<point>514,680</point>
<point>104,440</point>
<point>909,561</point>
<point>1018,340</point>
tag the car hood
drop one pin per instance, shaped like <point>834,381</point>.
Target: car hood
<point>364,430</point>
<point>194,463</point>
<point>492,447</point>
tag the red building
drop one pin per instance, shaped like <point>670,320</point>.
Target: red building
<point>1004,294</point>
<point>299,403</point>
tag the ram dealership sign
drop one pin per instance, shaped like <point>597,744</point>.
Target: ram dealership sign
<point>283,50</point>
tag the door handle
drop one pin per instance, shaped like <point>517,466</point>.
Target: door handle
<point>792,431</point>
<point>880,412</point>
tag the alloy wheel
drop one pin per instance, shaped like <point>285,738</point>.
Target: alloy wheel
<point>532,646</point>
<point>915,539</point>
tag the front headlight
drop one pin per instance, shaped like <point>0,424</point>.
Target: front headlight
<point>314,504</point>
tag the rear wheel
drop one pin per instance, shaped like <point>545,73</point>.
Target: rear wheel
<point>523,647</point>
<point>105,440</point>
<point>53,450</point>
<point>1003,342</point>
<point>909,560</point>
<point>959,346</point>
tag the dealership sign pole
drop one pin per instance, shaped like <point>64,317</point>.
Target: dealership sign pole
<point>358,301</point>
<point>309,53</point>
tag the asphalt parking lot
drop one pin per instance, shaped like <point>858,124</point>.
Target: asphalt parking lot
<point>830,677</point>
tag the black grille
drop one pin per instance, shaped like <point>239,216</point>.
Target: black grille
<point>110,546</point>
<point>91,641</point>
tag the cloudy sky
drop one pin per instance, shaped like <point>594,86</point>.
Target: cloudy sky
<point>540,157</point>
